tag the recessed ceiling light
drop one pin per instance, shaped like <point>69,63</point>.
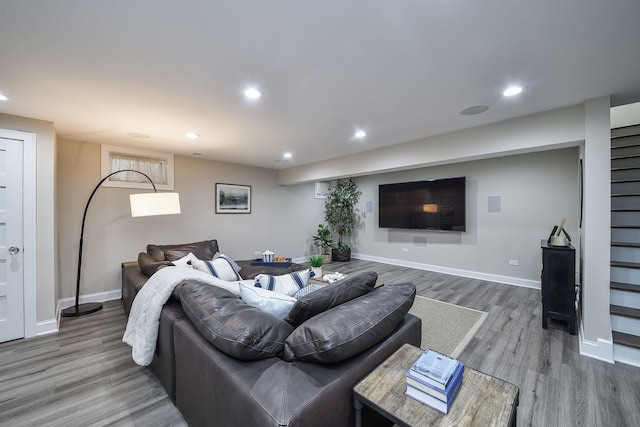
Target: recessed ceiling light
<point>512,90</point>
<point>138,135</point>
<point>3,97</point>
<point>287,155</point>
<point>476,109</point>
<point>252,93</point>
<point>192,135</point>
<point>359,134</point>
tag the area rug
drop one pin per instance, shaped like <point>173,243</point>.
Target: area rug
<point>446,328</point>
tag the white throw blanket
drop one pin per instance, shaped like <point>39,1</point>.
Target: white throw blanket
<point>142,327</point>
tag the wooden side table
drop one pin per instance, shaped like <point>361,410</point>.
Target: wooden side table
<point>483,400</point>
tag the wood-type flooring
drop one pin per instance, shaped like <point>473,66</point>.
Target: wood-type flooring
<point>84,375</point>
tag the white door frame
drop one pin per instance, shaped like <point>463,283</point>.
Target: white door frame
<point>28,227</point>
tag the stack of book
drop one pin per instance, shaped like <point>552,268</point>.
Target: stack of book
<point>434,379</point>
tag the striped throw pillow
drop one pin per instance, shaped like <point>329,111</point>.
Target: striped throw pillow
<point>287,284</point>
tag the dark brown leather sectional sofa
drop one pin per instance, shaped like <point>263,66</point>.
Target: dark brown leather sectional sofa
<point>332,337</point>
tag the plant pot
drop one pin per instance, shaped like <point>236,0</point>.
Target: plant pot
<point>341,255</point>
<point>317,272</point>
<point>326,258</point>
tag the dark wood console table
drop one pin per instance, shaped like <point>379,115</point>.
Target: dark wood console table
<point>558,284</point>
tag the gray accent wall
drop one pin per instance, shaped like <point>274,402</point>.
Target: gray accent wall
<point>536,191</point>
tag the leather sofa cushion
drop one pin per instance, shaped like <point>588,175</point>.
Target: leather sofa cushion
<point>205,249</point>
<point>331,296</point>
<point>350,328</point>
<point>231,325</point>
<point>149,265</point>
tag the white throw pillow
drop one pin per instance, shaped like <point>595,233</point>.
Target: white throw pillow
<point>218,267</point>
<point>268,301</point>
<point>185,261</point>
<point>234,264</point>
<point>287,284</point>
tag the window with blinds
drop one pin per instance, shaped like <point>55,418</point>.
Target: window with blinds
<point>157,166</point>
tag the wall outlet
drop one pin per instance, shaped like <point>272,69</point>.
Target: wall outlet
<point>405,250</point>
<point>514,262</point>
<point>258,253</point>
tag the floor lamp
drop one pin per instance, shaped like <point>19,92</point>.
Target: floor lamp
<point>145,204</point>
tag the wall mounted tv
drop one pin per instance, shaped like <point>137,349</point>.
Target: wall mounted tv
<point>423,205</point>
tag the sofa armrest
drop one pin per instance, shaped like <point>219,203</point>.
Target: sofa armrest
<point>215,389</point>
<point>132,281</point>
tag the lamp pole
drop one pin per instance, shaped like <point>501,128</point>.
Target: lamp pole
<point>91,307</point>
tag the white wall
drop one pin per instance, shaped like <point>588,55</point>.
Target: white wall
<point>283,219</point>
<point>536,191</point>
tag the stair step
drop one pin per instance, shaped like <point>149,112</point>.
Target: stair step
<point>630,287</point>
<point>624,131</point>
<point>626,339</point>
<point>625,244</point>
<point>625,156</point>
<point>625,264</point>
<point>625,210</point>
<point>624,194</point>
<point>626,226</point>
<point>619,310</point>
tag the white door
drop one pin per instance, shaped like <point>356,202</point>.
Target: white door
<point>11,252</point>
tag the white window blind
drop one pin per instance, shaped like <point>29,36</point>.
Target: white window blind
<point>156,165</point>
<point>156,169</point>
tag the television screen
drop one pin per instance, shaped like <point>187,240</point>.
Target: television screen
<point>423,205</point>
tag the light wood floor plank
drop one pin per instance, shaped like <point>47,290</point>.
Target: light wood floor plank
<point>84,375</point>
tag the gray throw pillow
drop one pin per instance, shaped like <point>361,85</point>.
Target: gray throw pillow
<point>350,328</point>
<point>231,325</point>
<point>330,296</point>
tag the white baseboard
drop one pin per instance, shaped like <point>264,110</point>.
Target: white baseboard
<point>516,281</point>
<point>97,297</point>
<point>601,350</point>
<point>46,327</point>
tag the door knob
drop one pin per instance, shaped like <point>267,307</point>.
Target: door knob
<point>13,250</point>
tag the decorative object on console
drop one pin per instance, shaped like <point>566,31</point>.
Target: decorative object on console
<point>340,214</point>
<point>146,204</point>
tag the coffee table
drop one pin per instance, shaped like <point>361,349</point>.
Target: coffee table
<point>483,400</point>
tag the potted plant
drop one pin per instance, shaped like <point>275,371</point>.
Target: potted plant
<point>316,262</point>
<point>340,215</point>
<point>323,240</point>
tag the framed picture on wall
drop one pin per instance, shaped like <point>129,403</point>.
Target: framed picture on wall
<point>233,199</point>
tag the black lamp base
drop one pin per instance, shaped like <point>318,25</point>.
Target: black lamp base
<point>82,309</point>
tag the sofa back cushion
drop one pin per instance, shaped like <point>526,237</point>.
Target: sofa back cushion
<point>149,265</point>
<point>330,296</point>
<point>205,249</point>
<point>231,325</point>
<point>350,328</point>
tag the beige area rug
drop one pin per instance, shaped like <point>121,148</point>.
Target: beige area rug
<point>446,328</point>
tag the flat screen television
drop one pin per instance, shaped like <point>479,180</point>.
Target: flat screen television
<point>423,205</point>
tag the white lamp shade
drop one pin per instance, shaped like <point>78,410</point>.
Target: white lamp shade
<point>148,204</point>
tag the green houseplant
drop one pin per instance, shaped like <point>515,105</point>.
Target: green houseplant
<point>340,214</point>
<point>322,239</point>
<point>316,262</point>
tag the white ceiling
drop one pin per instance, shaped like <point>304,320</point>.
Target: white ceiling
<point>401,70</point>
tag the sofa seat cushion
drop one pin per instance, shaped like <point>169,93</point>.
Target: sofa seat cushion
<point>331,296</point>
<point>231,325</point>
<point>350,328</point>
